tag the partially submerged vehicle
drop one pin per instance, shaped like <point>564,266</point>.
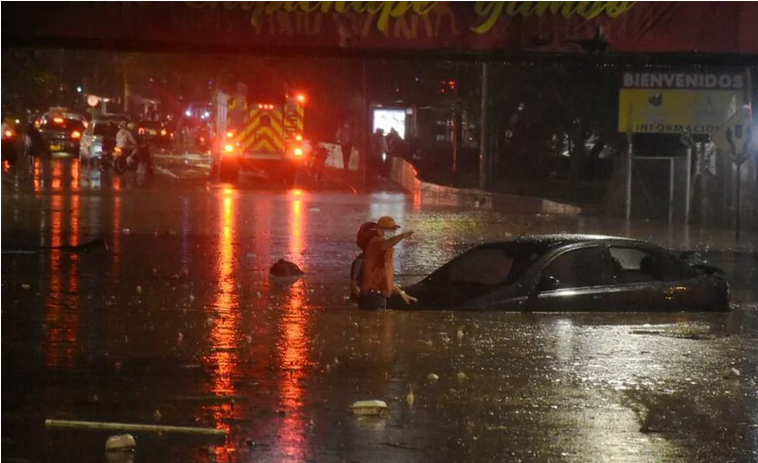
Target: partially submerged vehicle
<point>572,273</point>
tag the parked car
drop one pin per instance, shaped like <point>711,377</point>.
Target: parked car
<point>564,273</point>
<point>10,142</point>
<point>98,140</point>
<point>62,132</point>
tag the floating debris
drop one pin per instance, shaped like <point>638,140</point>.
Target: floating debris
<point>120,443</point>
<point>729,373</point>
<point>371,408</point>
<point>410,398</point>
<point>284,268</point>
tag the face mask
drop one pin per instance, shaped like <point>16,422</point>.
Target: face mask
<point>390,233</point>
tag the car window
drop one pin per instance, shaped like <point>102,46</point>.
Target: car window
<point>578,268</point>
<point>634,265</point>
<point>484,266</point>
<point>491,264</point>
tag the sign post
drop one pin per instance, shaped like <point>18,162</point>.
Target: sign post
<point>737,137</point>
<point>483,154</point>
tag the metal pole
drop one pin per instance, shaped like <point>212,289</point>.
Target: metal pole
<point>60,77</point>
<point>688,187</point>
<point>629,180</point>
<point>737,202</point>
<point>671,191</point>
<point>483,132</point>
<point>366,139</point>
<point>457,135</point>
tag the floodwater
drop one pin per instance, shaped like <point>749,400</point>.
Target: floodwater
<point>179,323</point>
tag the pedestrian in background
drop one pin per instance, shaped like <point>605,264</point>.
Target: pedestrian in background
<point>378,155</point>
<point>345,140</point>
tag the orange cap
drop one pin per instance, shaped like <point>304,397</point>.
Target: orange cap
<point>387,223</point>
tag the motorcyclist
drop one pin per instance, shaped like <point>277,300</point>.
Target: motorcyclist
<point>127,142</point>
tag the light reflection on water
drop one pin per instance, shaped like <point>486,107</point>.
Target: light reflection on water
<point>62,303</point>
<point>225,317</point>
<point>293,345</point>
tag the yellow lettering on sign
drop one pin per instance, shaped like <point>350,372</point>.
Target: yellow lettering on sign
<point>423,8</point>
<point>381,13</point>
<point>490,12</point>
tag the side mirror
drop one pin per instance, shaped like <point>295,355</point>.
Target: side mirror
<point>547,283</point>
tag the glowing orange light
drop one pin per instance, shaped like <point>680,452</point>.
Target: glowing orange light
<point>299,137</point>
<point>76,135</point>
<point>163,132</point>
<point>8,134</point>
<point>298,151</point>
<point>141,131</point>
<point>58,120</point>
<point>300,98</point>
<point>229,148</point>
<point>229,134</point>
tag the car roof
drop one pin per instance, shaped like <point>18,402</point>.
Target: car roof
<point>571,238</point>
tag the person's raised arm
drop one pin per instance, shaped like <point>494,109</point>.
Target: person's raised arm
<point>389,243</point>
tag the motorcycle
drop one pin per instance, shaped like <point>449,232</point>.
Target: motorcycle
<point>122,161</point>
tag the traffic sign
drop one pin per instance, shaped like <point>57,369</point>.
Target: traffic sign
<point>93,100</point>
<point>738,136</point>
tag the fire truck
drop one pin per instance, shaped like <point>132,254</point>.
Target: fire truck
<point>260,137</point>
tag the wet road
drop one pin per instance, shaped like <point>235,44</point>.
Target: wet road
<point>179,323</point>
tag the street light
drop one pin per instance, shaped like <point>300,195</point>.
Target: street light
<point>79,89</point>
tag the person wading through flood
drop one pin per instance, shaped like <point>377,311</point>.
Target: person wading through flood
<point>377,279</point>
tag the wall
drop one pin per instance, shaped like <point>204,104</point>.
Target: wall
<point>406,176</point>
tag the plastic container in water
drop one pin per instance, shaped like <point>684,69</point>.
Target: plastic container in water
<point>371,408</point>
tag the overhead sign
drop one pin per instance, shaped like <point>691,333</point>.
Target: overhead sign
<point>564,27</point>
<point>678,102</point>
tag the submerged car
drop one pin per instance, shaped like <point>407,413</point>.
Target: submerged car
<point>571,273</point>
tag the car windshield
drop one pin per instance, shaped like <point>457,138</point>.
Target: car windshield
<point>492,264</point>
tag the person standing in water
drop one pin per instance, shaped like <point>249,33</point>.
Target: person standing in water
<point>377,279</point>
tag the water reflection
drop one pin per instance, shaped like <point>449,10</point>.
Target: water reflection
<point>62,317</point>
<point>224,320</point>
<point>293,347</point>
